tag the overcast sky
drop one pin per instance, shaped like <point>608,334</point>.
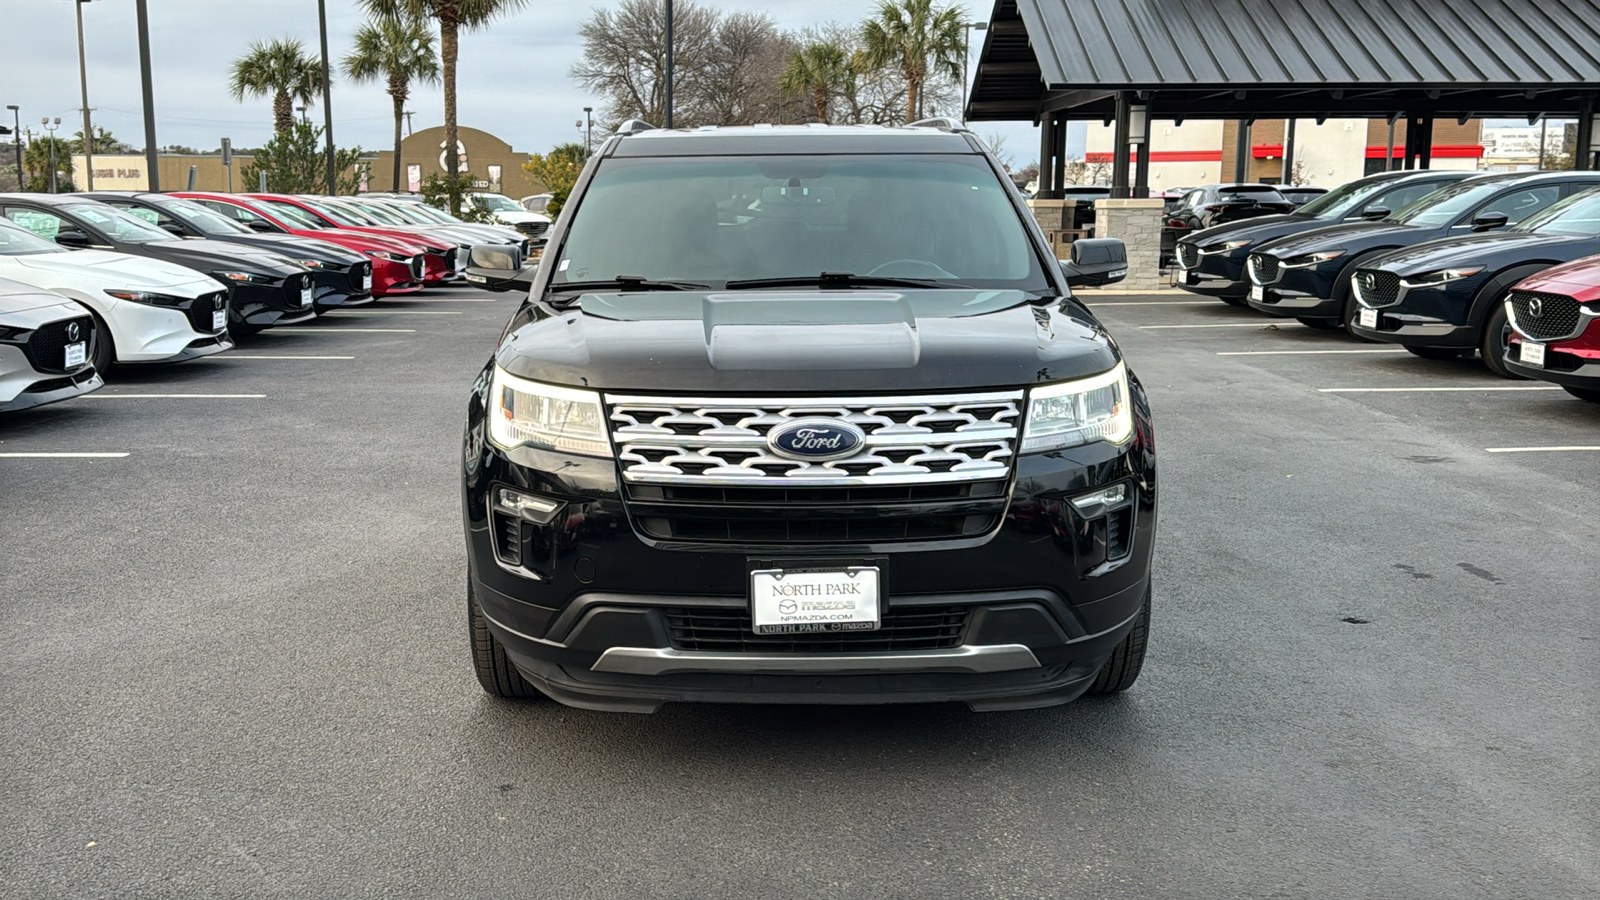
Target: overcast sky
<point>513,78</point>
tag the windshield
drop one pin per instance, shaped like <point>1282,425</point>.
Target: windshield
<point>338,214</point>
<point>294,214</point>
<point>375,212</point>
<point>1446,204</point>
<point>1344,200</point>
<point>497,203</point>
<point>1578,215</point>
<point>201,219</point>
<point>118,225</point>
<point>711,220</point>
<point>437,215</point>
<point>18,241</point>
<point>400,212</point>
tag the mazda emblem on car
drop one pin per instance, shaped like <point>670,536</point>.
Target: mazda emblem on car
<point>73,331</point>
<point>1535,308</point>
<point>1369,281</point>
<point>816,440</point>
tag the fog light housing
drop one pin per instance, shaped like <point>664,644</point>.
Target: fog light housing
<point>532,507</point>
<point>1095,501</point>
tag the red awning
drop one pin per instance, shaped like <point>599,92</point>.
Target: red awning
<point>1440,151</point>
<point>1163,156</point>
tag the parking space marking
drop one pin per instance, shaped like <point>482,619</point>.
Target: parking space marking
<point>406,298</point>
<point>1305,352</point>
<point>1423,390</point>
<point>284,356</point>
<point>104,396</point>
<point>296,329</point>
<point>1578,448</point>
<point>396,312</point>
<point>1092,302</point>
<point>1215,325</point>
<point>62,455</point>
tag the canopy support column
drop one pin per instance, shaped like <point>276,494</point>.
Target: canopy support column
<point>1583,150</point>
<point>1241,152</point>
<point>1047,154</point>
<point>1119,147</point>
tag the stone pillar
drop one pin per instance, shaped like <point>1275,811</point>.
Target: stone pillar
<point>1137,222</point>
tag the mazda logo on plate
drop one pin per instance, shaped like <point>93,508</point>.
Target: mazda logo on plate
<point>816,440</point>
<point>73,331</point>
<point>1535,308</point>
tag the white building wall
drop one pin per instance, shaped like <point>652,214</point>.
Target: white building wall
<point>1332,153</point>
<point>1195,135</point>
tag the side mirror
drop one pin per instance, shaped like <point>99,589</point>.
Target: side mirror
<point>172,229</point>
<point>498,267</point>
<point>263,226</point>
<point>1374,213</point>
<point>1490,221</point>
<point>77,240</point>
<point>1096,262</point>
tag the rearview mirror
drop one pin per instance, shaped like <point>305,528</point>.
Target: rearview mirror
<point>1096,262</point>
<point>1489,221</point>
<point>77,240</point>
<point>1374,213</point>
<point>498,267</point>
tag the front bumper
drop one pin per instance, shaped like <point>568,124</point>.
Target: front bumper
<point>263,305</point>
<point>22,386</point>
<point>1216,275</point>
<point>594,615</point>
<point>1570,363</point>
<point>335,288</point>
<point>1301,292</point>
<point>1425,317</point>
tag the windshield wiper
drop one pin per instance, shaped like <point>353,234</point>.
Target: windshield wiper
<point>839,280</point>
<point>626,283</point>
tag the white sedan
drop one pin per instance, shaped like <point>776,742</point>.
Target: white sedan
<point>152,311</point>
<point>46,342</point>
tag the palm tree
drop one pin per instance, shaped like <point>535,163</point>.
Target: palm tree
<point>280,69</point>
<point>452,16</point>
<point>918,38</point>
<point>821,70</point>
<point>400,51</point>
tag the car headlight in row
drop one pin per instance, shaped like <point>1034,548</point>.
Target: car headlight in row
<point>1311,259</point>
<point>385,254</point>
<point>1224,247</point>
<point>1433,279</point>
<point>314,264</point>
<point>244,277</point>
<point>525,413</point>
<point>148,298</point>
<point>1072,413</point>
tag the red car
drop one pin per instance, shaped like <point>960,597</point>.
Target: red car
<point>397,266</point>
<point>1554,332</point>
<point>445,260</point>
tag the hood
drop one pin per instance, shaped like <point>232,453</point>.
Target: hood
<point>299,247</point>
<point>1579,278</point>
<point>1351,237</point>
<point>209,256</point>
<point>109,269</point>
<point>25,306</point>
<point>816,342</point>
<point>1491,250</point>
<point>1258,230</point>
<point>396,232</point>
<point>356,242</point>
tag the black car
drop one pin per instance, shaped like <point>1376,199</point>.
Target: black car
<point>264,288</point>
<point>1445,298</point>
<point>1211,261</point>
<point>1215,204</point>
<point>1307,277</point>
<point>342,277</point>
<point>749,439</point>
<point>1301,194</point>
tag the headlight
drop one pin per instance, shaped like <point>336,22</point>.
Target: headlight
<point>526,413</point>
<point>148,298</point>
<point>1224,248</point>
<point>1071,413</point>
<point>1300,262</point>
<point>384,254</point>
<point>312,263</point>
<point>1430,279</point>
<point>244,277</point>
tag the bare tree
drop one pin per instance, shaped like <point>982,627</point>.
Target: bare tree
<point>996,142</point>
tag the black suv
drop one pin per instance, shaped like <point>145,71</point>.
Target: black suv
<point>807,415</point>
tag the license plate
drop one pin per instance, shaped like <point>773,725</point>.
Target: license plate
<point>219,319</point>
<point>305,296</point>
<point>535,253</point>
<point>1191,277</point>
<point>787,601</point>
<point>366,282</point>
<point>477,279</point>
<point>1532,354</point>
<point>77,353</point>
<point>1367,318</point>
<point>1258,293</point>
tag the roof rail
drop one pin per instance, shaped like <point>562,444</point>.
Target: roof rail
<point>634,126</point>
<point>945,123</point>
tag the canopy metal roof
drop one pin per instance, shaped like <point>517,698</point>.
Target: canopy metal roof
<point>1275,58</point>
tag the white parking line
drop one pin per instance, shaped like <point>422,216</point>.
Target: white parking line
<point>1217,325</point>
<point>1540,449</point>
<point>297,329</point>
<point>395,312</point>
<point>407,298</point>
<point>1152,302</point>
<point>1421,390</point>
<point>285,356</point>
<point>62,455</point>
<point>1304,352</point>
<point>102,395</point>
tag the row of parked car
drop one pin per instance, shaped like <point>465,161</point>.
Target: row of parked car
<point>1445,264</point>
<point>91,280</point>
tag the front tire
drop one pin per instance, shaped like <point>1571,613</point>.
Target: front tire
<point>1590,394</point>
<point>1496,338</point>
<point>105,348</point>
<point>494,669</point>
<point>1435,352</point>
<point>1122,669</point>
<point>1320,324</point>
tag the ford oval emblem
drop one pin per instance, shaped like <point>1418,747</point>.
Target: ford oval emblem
<point>816,440</point>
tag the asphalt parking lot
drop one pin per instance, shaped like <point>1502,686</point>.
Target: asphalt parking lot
<point>233,660</point>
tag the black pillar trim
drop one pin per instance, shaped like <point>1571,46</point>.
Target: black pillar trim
<point>1119,148</point>
<point>1241,152</point>
<point>1425,143</point>
<point>1582,158</point>
<point>1046,155</point>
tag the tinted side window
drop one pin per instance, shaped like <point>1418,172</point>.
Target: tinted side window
<point>1519,205</point>
<point>45,225</point>
<point>1404,196</point>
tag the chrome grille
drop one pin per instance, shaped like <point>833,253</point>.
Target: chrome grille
<point>1188,254</point>
<point>1546,317</point>
<point>909,439</point>
<point>1377,288</point>
<point>1263,269</point>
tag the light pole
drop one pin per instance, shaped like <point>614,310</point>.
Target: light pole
<point>966,51</point>
<point>588,129</point>
<point>83,82</point>
<point>327,96</point>
<point>16,115</point>
<point>304,119</point>
<point>152,161</point>
<point>408,114</point>
<point>669,64</point>
<point>51,127</point>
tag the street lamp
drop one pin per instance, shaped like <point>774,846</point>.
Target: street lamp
<point>16,115</point>
<point>304,119</point>
<point>51,127</point>
<point>966,51</point>
<point>588,129</point>
<point>83,82</point>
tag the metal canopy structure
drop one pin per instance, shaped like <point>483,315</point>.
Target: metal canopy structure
<point>1131,60</point>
